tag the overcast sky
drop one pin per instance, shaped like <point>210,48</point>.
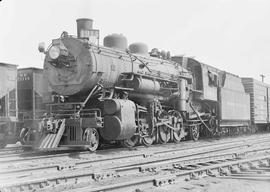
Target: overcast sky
<point>233,35</point>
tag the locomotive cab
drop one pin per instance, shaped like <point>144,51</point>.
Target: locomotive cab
<point>220,97</point>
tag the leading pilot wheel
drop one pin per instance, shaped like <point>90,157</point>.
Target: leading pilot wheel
<point>212,126</point>
<point>23,135</point>
<point>194,132</point>
<point>91,135</point>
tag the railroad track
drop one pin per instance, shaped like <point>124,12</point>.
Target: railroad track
<point>10,150</point>
<point>22,153</point>
<point>233,167</point>
<point>13,154</point>
<point>143,158</point>
<point>37,155</point>
<point>82,159</point>
<point>96,171</point>
<point>18,152</point>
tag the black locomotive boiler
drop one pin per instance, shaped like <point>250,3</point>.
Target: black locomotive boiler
<point>118,94</point>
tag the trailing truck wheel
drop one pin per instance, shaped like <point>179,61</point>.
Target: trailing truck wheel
<point>212,125</point>
<point>194,132</point>
<point>132,142</point>
<point>91,135</point>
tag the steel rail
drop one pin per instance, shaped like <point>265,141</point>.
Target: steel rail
<point>14,148</point>
<point>27,157</point>
<point>140,157</point>
<point>58,166</point>
<point>209,169</point>
<point>62,151</point>
<point>30,156</point>
<point>114,172</point>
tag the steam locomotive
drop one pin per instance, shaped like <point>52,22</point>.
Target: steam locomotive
<point>118,94</point>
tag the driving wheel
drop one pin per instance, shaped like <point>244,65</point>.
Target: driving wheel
<point>179,133</point>
<point>148,140</point>
<point>194,132</point>
<point>91,135</point>
<point>164,134</point>
<point>131,142</point>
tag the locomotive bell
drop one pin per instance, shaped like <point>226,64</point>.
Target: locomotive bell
<point>41,47</point>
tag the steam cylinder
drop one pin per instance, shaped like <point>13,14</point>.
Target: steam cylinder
<point>112,106</point>
<point>119,120</point>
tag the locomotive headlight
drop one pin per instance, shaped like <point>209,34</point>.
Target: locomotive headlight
<point>54,52</point>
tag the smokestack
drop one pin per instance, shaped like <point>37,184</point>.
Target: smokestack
<point>85,30</point>
<point>84,25</point>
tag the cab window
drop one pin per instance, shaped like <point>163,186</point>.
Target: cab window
<point>213,79</point>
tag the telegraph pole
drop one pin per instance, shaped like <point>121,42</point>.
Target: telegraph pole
<point>262,76</point>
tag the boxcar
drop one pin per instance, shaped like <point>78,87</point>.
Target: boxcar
<point>30,103</point>
<point>259,102</point>
<point>8,103</point>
